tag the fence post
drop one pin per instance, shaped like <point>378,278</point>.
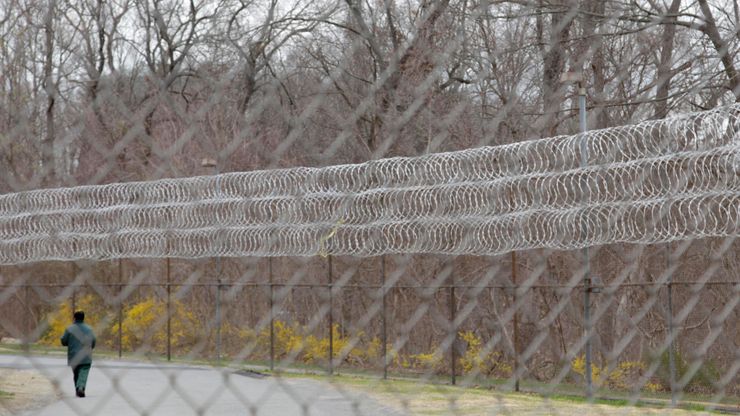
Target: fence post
<point>671,352</point>
<point>213,163</point>
<point>587,321</point>
<point>272,315</point>
<point>587,278</point>
<point>120,308</point>
<point>169,312</point>
<point>453,329</point>
<point>218,309</point>
<point>27,317</point>
<point>516,320</point>
<point>384,335</point>
<point>331,320</point>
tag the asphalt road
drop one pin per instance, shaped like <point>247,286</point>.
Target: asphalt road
<point>134,388</point>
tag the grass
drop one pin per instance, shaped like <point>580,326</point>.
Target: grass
<point>5,395</point>
<point>37,349</point>
<point>436,396</point>
<point>435,399</point>
<point>564,392</point>
<point>100,353</point>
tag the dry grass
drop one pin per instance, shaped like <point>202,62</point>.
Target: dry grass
<point>23,390</point>
<point>424,399</point>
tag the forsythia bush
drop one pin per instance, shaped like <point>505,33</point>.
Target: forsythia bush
<point>61,318</point>
<point>288,339</point>
<point>620,377</point>
<point>291,340</point>
<point>236,338</point>
<point>489,364</point>
<point>317,349</point>
<point>145,323</point>
<point>432,361</point>
<point>375,349</point>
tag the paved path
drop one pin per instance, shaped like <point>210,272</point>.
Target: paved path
<point>134,388</point>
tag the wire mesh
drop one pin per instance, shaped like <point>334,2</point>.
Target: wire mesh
<point>342,207</point>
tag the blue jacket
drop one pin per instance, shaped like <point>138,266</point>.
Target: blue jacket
<point>80,341</point>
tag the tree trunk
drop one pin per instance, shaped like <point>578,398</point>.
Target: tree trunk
<point>553,63</point>
<point>723,49</point>
<point>47,145</point>
<point>595,8</point>
<point>665,73</point>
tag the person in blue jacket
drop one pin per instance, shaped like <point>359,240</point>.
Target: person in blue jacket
<point>80,341</point>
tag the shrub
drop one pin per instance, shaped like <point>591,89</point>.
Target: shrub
<point>288,339</point>
<point>291,339</point>
<point>375,349</point>
<point>622,376</point>
<point>236,338</point>
<point>489,364</point>
<point>61,317</point>
<point>317,349</point>
<point>144,324</point>
<point>429,362</point>
<point>701,382</point>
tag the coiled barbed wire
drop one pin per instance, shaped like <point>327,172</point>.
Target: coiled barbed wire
<point>652,182</point>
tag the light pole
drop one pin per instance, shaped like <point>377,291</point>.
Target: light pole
<point>578,79</point>
<point>212,163</point>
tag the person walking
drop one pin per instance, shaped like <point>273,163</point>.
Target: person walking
<point>80,341</point>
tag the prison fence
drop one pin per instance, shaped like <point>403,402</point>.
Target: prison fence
<point>538,196</point>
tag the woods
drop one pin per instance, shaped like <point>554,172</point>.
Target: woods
<point>104,91</point>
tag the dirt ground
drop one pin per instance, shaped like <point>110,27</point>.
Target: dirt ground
<point>27,389</point>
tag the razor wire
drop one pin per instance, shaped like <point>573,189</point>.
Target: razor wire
<point>653,182</point>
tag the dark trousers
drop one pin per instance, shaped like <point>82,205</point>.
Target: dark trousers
<point>80,374</point>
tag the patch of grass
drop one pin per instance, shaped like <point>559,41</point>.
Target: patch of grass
<point>642,402</point>
<point>5,395</point>
<point>30,348</point>
<point>438,399</point>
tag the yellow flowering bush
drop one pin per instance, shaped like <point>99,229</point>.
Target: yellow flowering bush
<point>145,323</point>
<point>288,339</point>
<point>375,349</point>
<point>474,360</point>
<point>317,349</point>
<point>429,362</point>
<point>620,377</point>
<point>651,387</point>
<point>59,319</point>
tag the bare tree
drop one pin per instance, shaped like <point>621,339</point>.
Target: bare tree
<point>562,14</point>
<point>257,44</point>
<point>51,89</point>
<point>171,31</point>
<point>722,47</point>
<point>665,70</point>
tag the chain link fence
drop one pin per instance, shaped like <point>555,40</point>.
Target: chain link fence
<point>344,207</point>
